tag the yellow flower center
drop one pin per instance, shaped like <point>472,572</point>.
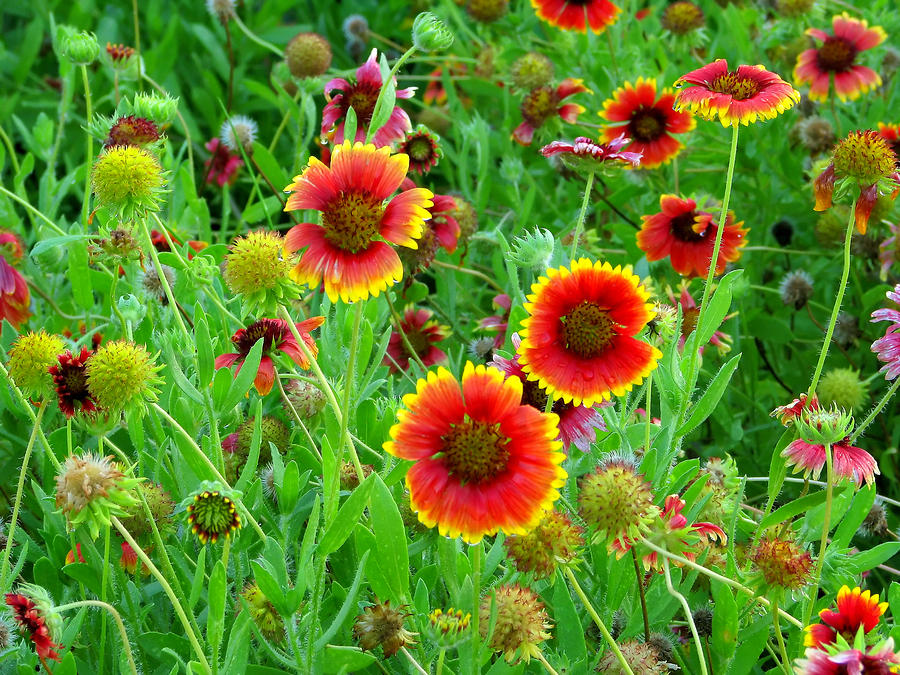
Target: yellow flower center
<point>539,106</point>
<point>682,228</point>
<point>352,220</point>
<point>681,18</point>
<point>475,452</point>
<point>587,329</point>
<point>647,125</point>
<point>865,156</point>
<point>836,54</point>
<point>739,88</point>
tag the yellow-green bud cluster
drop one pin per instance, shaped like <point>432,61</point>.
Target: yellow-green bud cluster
<point>122,375</point>
<point>29,359</point>
<point>264,614</point>
<point>257,268</point>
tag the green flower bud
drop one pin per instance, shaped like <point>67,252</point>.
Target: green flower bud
<point>430,34</point>
<point>160,108</point>
<point>533,250</point>
<point>82,49</point>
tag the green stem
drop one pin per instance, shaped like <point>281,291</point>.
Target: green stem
<point>540,657</point>
<point>640,584</point>
<point>258,40</point>
<point>413,662</point>
<point>826,528</point>
<point>379,102</point>
<point>687,613</point>
<point>476,606</point>
<point>176,605</point>
<point>877,409</point>
<point>11,150</point>
<point>116,617</point>
<point>713,263</point>
<point>137,33</point>
<point>599,622</point>
<point>647,404</point>
<point>167,290</point>
<point>89,160</point>
<point>297,419</point>
<point>33,210</point>
<point>20,397</point>
<point>104,579</point>
<point>835,310</point>
<point>777,624</point>
<point>348,389</point>
<point>584,204</point>
<point>18,500</point>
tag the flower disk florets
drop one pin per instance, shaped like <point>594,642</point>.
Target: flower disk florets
<point>308,55</point>
<point>128,180</point>
<point>522,622</point>
<point>555,541</point>
<point>782,564</point>
<point>681,18</point>
<point>30,358</point>
<point>122,375</point>
<point>864,156</point>
<point>90,489</point>
<point>531,70</point>
<point>258,268</point>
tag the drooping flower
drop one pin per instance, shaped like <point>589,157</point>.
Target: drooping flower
<point>498,323</point>
<point>579,341</point>
<point>690,313</point>
<point>423,148</point>
<point>577,423</point>
<point>484,461</point>
<point>863,158</point>
<point>540,105</point>
<point>34,613</point>
<point>522,622</point>
<point>423,332</point>
<point>350,251</point>
<point>381,624</point>
<point>837,57</point>
<point>848,461</point>
<point>70,380</point>
<point>585,154</point>
<point>887,348</point>
<point>128,560</point>
<point>687,237</point>
<point>14,294</point>
<point>855,609</point>
<point>648,121</point>
<point>577,15</point>
<point>734,97</point>
<point>361,96</point>
<point>212,515</point>
<point>223,166</point>
<point>277,336</point>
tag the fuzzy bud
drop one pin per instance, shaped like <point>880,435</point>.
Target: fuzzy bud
<point>430,33</point>
<point>82,49</point>
<point>122,375</point>
<point>555,541</point>
<point>531,71</point>
<point>843,388</point>
<point>533,250</point>
<point>308,55</point>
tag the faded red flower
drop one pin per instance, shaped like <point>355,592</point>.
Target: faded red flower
<point>541,104</point>
<point>848,461</point>
<point>423,332</point>
<point>70,378</point>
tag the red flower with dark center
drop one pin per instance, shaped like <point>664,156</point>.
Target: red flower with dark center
<point>687,237</point>
<point>350,251</point>
<point>276,335</point>
<point>837,57</point>
<point>734,97</point>
<point>223,166</point>
<point>361,96</point>
<point>577,423</point>
<point>649,122</point>
<point>483,461</point>
<point>541,104</point>
<point>32,623</point>
<point>423,332</point>
<point>132,130</point>
<point>71,383</point>
<point>855,609</point>
<point>577,15</point>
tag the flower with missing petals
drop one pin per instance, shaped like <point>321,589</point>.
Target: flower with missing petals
<point>212,514</point>
<point>542,104</point>
<point>91,489</point>
<point>381,624</point>
<point>30,359</point>
<point>522,622</point>
<point>584,154</point>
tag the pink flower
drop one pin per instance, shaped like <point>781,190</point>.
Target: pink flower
<point>422,333</point>
<point>577,423</point>
<point>848,461</point>
<point>877,660</point>
<point>222,167</point>
<point>361,95</point>
<point>444,226</point>
<point>889,250</point>
<point>590,153</point>
<point>498,322</point>
<point>887,348</point>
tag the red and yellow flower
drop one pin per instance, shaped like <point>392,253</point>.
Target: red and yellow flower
<point>276,335</point>
<point>734,97</point>
<point>484,461</point>
<point>687,237</point>
<point>577,15</point>
<point>70,379</point>
<point>350,250</point>
<point>422,332</point>
<point>855,609</point>
<point>837,57</point>
<point>578,342</point>
<point>647,120</point>
<point>890,133</point>
<point>14,294</point>
<point>541,104</point>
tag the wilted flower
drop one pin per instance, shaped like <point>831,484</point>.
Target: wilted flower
<point>14,294</point>
<point>522,622</point>
<point>222,167</point>
<point>422,332</point>
<point>796,289</point>
<point>91,489</point>
<point>381,624</point>
<point>585,154</point>
<point>131,130</point>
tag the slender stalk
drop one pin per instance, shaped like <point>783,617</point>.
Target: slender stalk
<point>826,528</point>
<point>540,657</point>
<point>104,579</point>
<point>398,322</point>
<point>413,662</point>
<point>89,152</point>
<point>379,102</point>
<point>10,148</point>
<point>584,204</point>
<point>176,605</point>
<point>20,397</point>
<point>647,406</point>
<point>181,120</point>
<point>777,624</point>
<point>640,584</point>
<point>254,38</point>
<point>877,409</point>
<point>474,273</point>
<point>164,282</point>
<point>713,263</point>
<point>18,500</point>
<point>137,32</point>
<point>687,615</point>
<point>230,66</point>
<point>348,388</point>
<point>116,617</point>
<point>281,126</point>
<point>33,210</point>
<point>297,419</point>
<point>845,273</point>
<point>599,622</point>
<point>476,606</point>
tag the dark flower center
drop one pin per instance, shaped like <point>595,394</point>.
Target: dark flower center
<point>267,330</point>
<point>539,106</point>
<point>418,340</point>
<point>682,228</point>
<point>587,329</point>
<point>475,452</point>
<point>739,88</point>
<point>352,220</point>
<point>647,125</point>
<point>535,396</point>
<point>361,98</point>
<point>689,316</point>
<point>420,148</point>
<point>836,55</point>
<point>682,17</point>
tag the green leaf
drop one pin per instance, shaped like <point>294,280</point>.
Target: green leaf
<point>80,276</point>
<point>725,625</point>
<point>347,517</point>
<point>571,640</point>
<point>867,560</point>
<point>199,579</point>
<point>862,504</point>
<point>711,396</point>
<point>713,314</point>
<point>238,652</point>
<point>390,537</point>
<point>205,357</point>
<point>794,508</point>
<point>270,166</point>
<point>383,109</point>
<point>344,659</point>
<point>290,487</point>
<point>244,380</point>
<point>215,619</point>
<point>55,242</point>
<point>778,465</point>
<point>270,588</point>
<point>85,574</point>
<point>181,380</point>
<point>350,122</point>
<point>349,606</point>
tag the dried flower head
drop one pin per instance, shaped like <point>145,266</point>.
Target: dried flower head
<point>70,379</point>
<point>555,541</point>
<point>796,289</point>
<point>782,563</point>
<point>305,397</point>
<point>641,657</point>
<point>131,130</point>
<point>793,8</point>
<point>381,624</point>
<point>308,55</point>
<point>122,375</point>
<point>522,622</point>
<point>128,180</point>
<point>239,131</point>
<point>875,523</point>
<point>846,329</point>
<point>487,11</point>
<point>703,620</point>
<point>90,489</point>
<point>355,26</point>
<point>153,285</point>
<point>30,359</point>
<point>816,134</point>
<point>223,10</point>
